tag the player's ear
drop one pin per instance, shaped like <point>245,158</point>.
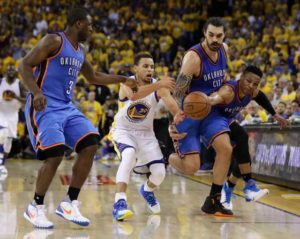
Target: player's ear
<point>134,68</point>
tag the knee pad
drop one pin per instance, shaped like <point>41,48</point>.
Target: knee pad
<point>158,173</point>
<point>127,164</point>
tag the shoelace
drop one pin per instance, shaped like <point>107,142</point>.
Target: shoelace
<point>121,204</point>
<point>150,198</point>
<point>75,204</point>
<point>41,212</point>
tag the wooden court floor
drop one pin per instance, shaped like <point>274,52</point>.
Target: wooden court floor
<point>180,200</point>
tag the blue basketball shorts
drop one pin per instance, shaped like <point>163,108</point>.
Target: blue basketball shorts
<point>59,124</point>
<point>206,129</point>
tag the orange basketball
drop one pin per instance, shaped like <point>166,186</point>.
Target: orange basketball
<point>196,106</point>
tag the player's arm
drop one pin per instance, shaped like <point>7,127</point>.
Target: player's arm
<point>171,105</point>
<point>49,45</point>
<point>226,49</point>
<point>264,102</point>
<point>100,78</point>
<point>145,90</point>
<point>22,97</point>
<point>189,69</point>
<point>223,96</point>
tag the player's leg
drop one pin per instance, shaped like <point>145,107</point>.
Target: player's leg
<point>3,137</point>
<point>151,155</point>
<point>49,147</point>
<point>187,159</point>
<point>214,131</point>
<point>128,160</point>
<point>82,136</point>
<point>243,159</point>
<point>156,177</point>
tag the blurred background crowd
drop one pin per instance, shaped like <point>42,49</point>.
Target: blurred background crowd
<point>261,32</point>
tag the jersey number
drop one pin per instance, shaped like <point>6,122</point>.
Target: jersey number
<point>70,87</point>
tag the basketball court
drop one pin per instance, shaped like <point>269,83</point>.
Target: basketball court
<point>180,200</point>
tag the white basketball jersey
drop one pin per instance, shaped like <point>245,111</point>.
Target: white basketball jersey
<point>137,115</point>
<point>9,107</point>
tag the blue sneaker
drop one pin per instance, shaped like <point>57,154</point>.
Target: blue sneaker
<point>120,211</point>
<point>152,203</point>
<point>226,196</point>
<point>252,192</point>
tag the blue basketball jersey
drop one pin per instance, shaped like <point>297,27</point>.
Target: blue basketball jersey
<point>57,75</point>
<point>211,73</point>
<point>234,107</point>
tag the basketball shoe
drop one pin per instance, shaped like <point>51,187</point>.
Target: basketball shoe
<point>252,192</point>
<point>152,203</point>
<point>69,210</point>
<point>212,205</point>
<point>35,214</point>
<point>226,196</point>
<point>120,210</point>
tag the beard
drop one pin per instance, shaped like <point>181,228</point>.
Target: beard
<point>214,46</point>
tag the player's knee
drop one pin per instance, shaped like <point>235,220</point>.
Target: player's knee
<point>225,150</point>
<point>128,153</point>
<point>53,162</point>
<point>158,174</point>
<point>90,150</point>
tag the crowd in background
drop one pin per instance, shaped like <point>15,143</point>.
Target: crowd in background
<point>261,32</point>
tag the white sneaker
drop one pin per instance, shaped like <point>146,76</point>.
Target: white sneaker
<point>226,196</point>
<point>252,192</point>
<point>35,214</point>
<point>70,211</point>
<point>38,234</point>
<point>151,200</point>
<point>3,169</point>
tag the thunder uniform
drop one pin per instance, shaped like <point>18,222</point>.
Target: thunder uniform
<point>210,80</point>
<point>133,127</point>
<point>61,123</point>
<point>236,105</point>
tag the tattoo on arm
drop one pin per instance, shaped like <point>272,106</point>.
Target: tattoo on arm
<point>182,84</point>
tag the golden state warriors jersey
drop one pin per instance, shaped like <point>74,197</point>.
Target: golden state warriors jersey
<point>136,115</point>
<point>8,105</point>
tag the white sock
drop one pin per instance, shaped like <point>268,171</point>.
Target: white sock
<point>147,188</point>
<point>121,195</point>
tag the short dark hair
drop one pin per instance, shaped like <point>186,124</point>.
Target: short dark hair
<point>215,21</point>
<point>141,55</point>
<point>254,69</point>
<point>76,14</point>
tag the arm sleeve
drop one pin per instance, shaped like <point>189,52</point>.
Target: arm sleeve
<point>263,101</point>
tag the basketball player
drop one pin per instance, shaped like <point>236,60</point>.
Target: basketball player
<point>231,98</point>
<point>12,95</point>
<point>52,120</point>
<point>134,137</point>
<point>203,69</point>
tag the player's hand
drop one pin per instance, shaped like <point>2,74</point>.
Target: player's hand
<point>167,82</point>
<point>131,83</point>
<point>179,117</point>
<point>39,101</point>
<point>281,121</point>
<point>174,134</point>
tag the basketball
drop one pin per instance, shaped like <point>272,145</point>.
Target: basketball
<point>196,106</point>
